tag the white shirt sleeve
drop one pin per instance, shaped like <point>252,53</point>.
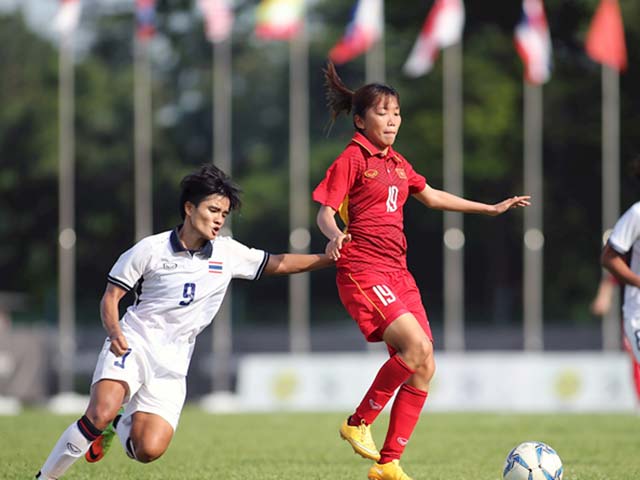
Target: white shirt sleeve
<point>131,265</point>
<point>626,230</point>
<point>246,263</point>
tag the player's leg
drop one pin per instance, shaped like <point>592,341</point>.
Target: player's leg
<point>635,366</point>
<point>106,398</point>
<point>151,417</point>
<point>132,370</point>
<point>372,304</point>
<point>412,395</point>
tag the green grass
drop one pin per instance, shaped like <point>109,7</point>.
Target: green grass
<point>307,447</point>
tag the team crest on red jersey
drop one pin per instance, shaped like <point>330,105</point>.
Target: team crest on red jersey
<point>371,173</point>
<point>401,173</point>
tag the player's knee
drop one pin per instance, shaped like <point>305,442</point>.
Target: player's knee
<point>149,451</point>
<point>419,354</point>
<point>101,415</point>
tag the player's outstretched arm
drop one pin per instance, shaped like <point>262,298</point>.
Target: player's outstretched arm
<point>617,265</point>
<point>287,263</point>
<point>111,318</point>
<point>441,200</point>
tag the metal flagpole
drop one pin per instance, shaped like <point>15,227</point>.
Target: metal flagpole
<point>533,236</point>
<point>375,59</point>
<point>453,182</point>
<point>142,127</point>
<point>66,213</point>
<point>222,326</point>
<point>299,239</point>
<point>611,187</point>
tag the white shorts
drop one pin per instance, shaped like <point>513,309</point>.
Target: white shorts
<point>152,389</point>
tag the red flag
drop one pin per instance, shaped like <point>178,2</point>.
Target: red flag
<point>605,40</point>
<point>364,29</point>
<point>279,19</point>
<point>533,42</point>
<point>146,18</point>
<point>442,28</point>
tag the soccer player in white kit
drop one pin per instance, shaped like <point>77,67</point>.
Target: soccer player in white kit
<point>180,278</point>
<point>625,240</point>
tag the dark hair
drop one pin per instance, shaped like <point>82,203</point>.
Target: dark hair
<point>340,98</point>
<point>208,180</point>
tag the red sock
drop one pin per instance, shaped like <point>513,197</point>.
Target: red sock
<point>404,417</point>
<point>636,377</point>
<point>390,376</point>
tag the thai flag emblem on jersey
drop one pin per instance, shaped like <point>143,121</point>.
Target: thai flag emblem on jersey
<point>215,267</point>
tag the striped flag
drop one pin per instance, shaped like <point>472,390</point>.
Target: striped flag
<point>68,16</point>
<point>145,19</point>
<point>442,28</point>
<point>279,19</point>
<point>533,42</point>
<point>218,17</point>
<point>605,40</point>
<point>364,29</point>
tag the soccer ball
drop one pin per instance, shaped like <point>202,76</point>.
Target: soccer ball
<point>532,461</point>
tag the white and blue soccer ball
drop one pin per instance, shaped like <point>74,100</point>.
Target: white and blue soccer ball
<point>532,461</point>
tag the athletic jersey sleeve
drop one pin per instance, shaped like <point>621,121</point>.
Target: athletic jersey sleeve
<point>336,184</point>
<point>416,181</point>
<point>131,265</point>
<point>626,230</point>
<point>246,263</point>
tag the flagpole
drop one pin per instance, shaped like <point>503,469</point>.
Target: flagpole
<point>611,330</point>
<point>222,326</point>
<point>299,238</point>
<point>453,240</point>
<point>142,133</point>
<point>533,227</point>
<point>375,59</point>
<point>66,215</point>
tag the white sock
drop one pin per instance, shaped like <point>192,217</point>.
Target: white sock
<point>123,430</point>
<point>71,445</point>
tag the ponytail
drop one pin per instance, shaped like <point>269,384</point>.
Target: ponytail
<point>339,97</point>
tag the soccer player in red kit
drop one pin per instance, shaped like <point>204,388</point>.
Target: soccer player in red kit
<point>368,184</point>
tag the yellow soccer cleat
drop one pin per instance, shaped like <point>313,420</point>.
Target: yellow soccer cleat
<point>360,439</point>
<point>388,471</point>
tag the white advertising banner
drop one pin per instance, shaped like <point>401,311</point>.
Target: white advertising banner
<point>488,381</point>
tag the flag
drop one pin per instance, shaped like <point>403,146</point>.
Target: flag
<point>605,40</point>
<point>218,17</point>
<point>442,28</point>
<point>533,42</point>
<point>279,19</point>
<point>146,18</point>
<point>364,29</point>
<point>68,16</point>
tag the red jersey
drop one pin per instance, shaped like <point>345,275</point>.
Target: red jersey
<point>369,189</point>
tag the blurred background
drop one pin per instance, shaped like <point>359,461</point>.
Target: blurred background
<point>105,109</point>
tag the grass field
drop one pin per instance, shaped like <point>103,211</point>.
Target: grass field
<point>307,447</point>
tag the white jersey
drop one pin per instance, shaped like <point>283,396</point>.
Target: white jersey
<point>179,291</point>
<point>625,237</point>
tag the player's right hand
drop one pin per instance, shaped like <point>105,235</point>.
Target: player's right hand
<point>119,344</point>
<point>335,245</point>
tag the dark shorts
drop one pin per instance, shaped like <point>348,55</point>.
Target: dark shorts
<point>375,299</point>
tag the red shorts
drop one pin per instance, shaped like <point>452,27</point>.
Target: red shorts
<point>375,299</point>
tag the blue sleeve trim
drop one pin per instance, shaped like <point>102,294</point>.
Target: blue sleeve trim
<point>119,283</point>
<point>265,260</point>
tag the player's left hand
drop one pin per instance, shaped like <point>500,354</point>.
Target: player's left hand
<point>509,203</point>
